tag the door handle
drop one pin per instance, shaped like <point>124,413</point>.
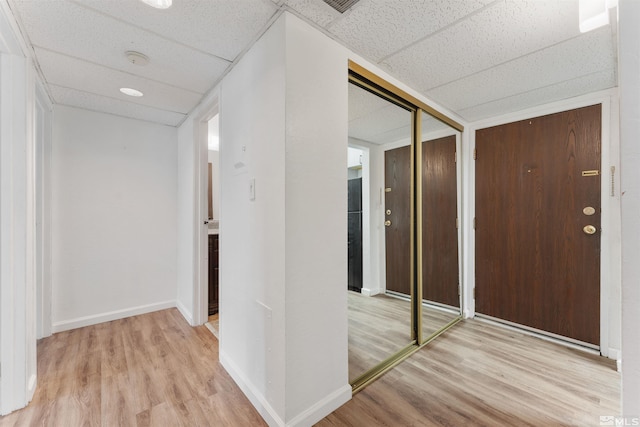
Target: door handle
<point>387,223</point>
<point>589,229</point>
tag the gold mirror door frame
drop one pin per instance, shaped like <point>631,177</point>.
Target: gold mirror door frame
<point>370,82</point>
<point>381,320</point>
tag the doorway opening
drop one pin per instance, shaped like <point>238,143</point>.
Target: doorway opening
<point>213,222</point>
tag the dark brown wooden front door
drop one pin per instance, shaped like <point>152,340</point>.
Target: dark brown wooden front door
<point>397,205</point>
<point>535,265</point>
<point>439,213</point>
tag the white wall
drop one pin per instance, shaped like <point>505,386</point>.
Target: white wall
<point>283,273</point>
<point>17,218</point>
<point>186,192</point>
<point>316,225</point>
<point>629,72</point>
<point>252,233</point>
<point>113,217</point>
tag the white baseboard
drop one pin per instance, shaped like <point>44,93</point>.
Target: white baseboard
<point>616,355</point>
<point>185,313</point>
<point>307,418</point>
<point>109,316</point>
<point>31,387</point>
<point>322,408</point>
<point>255,397</point>
<point>369,292</point>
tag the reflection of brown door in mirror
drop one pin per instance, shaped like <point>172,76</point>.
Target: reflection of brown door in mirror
<point>397,171</point>
<point>210,192</point>
<point>439,212</point>
<point>536,264</point>
<point>213,274</point>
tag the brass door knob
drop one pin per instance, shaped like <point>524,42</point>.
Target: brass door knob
<point>387,223</point>
<point>589,229</point>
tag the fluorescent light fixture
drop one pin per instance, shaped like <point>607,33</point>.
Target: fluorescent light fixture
<point>593,14</point>
<point>130,92</point>
<point>159,4</point>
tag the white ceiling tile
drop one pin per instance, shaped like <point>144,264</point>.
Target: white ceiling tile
<point>316,11</point>
<point>220,27</point>
<point>76,31</point>
<point>378,28</point>
<point>497,34</point>
<point>557,92</point>
<point>73,73</point>
<point>89,101</point>
<point>589,53</point>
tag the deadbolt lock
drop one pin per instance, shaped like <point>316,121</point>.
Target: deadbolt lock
<point>588,211</point>
<point>388,211</point>
<point>589,229</point>
<point>387,223</point>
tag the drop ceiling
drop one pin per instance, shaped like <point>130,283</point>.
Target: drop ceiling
<point>478,58</point>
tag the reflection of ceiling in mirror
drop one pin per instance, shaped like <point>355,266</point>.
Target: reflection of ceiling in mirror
<point>378,121</point>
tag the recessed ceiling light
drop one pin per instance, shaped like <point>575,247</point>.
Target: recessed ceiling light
<point>158,4</point>
<point>130,92</point>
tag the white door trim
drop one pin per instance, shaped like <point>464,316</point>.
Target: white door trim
<point>201,230</point>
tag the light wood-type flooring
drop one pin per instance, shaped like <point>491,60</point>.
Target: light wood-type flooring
<point>148,370</point>
<point>479,374</point>
<point>156,370</point>
<point>380,326</point>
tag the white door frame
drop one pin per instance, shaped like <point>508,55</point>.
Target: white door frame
<point>201,229</point>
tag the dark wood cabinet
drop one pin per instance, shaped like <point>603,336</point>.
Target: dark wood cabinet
<point>213,274</point>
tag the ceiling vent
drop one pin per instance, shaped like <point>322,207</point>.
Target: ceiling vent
<point>341,5</point>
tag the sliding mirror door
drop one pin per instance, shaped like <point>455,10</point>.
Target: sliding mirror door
<point>380,200</point>
<point>403,240</point>
<point>439,220</point>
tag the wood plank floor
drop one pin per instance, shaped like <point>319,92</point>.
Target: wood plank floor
<point>380,326</point>
<point>478,374</point>
<point>148,370</point>
<point>156,370</point>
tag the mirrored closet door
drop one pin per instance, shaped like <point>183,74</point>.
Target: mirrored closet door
<point>403,239</point>
<point>379,319</point>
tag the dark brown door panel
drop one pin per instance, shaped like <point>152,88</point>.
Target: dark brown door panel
<point>535,264</point>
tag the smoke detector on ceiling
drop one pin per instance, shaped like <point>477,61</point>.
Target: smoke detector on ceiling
<point>137,58</point>
<point>341,5</point>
